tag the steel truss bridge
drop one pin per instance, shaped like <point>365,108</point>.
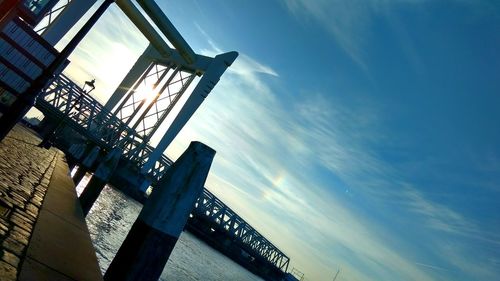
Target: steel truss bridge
<point>227,220</point>
<point>67,102</point>
<point>144,99</point>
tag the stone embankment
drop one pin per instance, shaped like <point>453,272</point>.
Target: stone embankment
<point>25,172</point>
<point>43,234</point>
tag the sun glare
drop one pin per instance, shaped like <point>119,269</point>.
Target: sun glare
<point>146,93</point>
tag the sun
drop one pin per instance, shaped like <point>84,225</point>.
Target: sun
<point>146,93</point>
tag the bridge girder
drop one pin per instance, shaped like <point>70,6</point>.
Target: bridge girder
<point>216,211</point>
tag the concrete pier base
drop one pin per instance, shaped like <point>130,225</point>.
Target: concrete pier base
<point>71,162</point>
<point>79,174</point>
<point>148,245</point>
<point>88,161</point>
<point>99,179</point>
<point>90,194</point>
<point>142,241</point>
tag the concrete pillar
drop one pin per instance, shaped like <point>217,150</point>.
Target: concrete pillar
<point>75,153</point>
<point>145,185</point>
<point>89,160</point>
<point>79,174</point>
<point>71,162</point>
<point>99,180</point>
<point>148,245</point>
<point>73,12</point>
<point>86,164</point>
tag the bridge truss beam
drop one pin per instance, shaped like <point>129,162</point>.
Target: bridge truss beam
<point>212,208</point>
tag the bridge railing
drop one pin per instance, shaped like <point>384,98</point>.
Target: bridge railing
<point>250,239</point>
<point>66,101</point>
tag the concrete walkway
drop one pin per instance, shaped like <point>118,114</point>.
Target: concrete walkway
<point>43,232</point>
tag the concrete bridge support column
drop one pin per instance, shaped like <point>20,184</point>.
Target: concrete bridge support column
<point>71,162</point>
<point>75,153</point>
<point>47,126</point>
<point>148,245</point>
<point>86,165</point>
<point>79,174</point>
<point>99,180</point>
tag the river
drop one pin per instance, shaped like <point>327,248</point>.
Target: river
<point>111,218</point>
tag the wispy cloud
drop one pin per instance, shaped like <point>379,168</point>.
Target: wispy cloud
<point>430,266</point>
<point>267,148</point>
<point>106,53</point>
<point>437,216</point>
<point>346,20</point>
<point>351,24</point>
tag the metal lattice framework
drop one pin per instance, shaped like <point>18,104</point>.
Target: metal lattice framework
<point>151,99</point>
<point>51,16</point>
<point>251,240</point>
<point>63,99</point>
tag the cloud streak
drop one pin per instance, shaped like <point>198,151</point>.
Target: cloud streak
<point>351,22</point>
<point>305,171</point>
<point>106,53</point>
<point>265,158</point>
<point>269,149</point>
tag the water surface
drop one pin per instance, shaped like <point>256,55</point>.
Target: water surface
<point>111,218</point>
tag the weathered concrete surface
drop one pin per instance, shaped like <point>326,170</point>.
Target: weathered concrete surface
<point>43,234</point>
<point>148,245</point>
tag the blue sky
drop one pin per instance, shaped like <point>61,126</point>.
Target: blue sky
<point>361,135</point>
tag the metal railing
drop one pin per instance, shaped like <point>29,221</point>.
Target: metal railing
<point>92,120</point>
<point>250,239</point>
